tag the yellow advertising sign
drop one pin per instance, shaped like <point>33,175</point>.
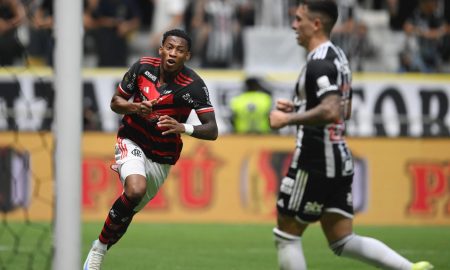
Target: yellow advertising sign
<point>235,179</point>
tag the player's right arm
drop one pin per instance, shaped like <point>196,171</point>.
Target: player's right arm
<point>120,105</point>
<point>285,105</point>
<point>126,89</point>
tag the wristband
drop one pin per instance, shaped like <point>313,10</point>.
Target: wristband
<point>188,129</point>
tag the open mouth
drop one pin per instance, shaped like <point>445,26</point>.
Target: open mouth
<point>171,62</point>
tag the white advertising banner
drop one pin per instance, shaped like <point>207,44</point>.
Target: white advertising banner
<point>384,105</point>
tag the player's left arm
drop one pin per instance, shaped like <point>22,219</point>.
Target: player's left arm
<point>197,97</point>
<point>323,77</point>
<point>207,130</point>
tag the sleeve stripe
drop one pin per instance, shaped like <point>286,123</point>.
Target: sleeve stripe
<point>122,92</point>
<point>327,89</point>
<point>204,110</point>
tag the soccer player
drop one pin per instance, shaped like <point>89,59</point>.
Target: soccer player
<point>317,186</point>
<point>164,91</point>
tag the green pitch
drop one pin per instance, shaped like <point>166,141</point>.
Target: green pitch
<point>251,247</point>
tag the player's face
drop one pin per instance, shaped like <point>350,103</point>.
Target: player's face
<point>303,26</point>
<point>174,52</point>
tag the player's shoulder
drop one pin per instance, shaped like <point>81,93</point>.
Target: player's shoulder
<point>326,52</point>
<point>151,61</point>
<point>188,77</point>
<point>145,65</point>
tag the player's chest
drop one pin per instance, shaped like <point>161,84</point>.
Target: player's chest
<point>151,88</point>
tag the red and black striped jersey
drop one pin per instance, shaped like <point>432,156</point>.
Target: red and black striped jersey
<point>177,98</point>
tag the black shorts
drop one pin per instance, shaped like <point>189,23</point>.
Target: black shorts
<point>306,196</point>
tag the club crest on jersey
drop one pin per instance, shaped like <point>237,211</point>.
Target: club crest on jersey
<point>146,89</point>
<point>136,152</point>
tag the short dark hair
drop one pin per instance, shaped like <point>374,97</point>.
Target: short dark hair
<point>328,8</point>
<point>178,33</point>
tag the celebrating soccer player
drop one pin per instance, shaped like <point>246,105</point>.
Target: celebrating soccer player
<point>164,91</point>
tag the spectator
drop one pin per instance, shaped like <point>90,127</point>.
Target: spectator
<point>424,30</point>
<point>12,14</point>
<point>399,11</point>
<point>350,33</point>
<point>250,110</point>
<point>111,23</point>
<point>219,32</point>
<point>40,48</point>
<point>272,13</point>
<point>167,14</point>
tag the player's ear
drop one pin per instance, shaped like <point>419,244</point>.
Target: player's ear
<point>188,55</point>
<point>160,50</point>
<point>317,23</point>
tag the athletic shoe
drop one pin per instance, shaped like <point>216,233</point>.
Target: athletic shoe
<point>422,266</point>
<point>95,257</point>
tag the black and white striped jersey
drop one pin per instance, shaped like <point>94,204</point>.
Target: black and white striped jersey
<point>322,148</point>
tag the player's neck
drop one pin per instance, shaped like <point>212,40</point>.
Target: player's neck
<point>316,42</point>
<point>166,77</point>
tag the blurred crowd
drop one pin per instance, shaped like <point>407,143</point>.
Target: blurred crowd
<point>115,31</point>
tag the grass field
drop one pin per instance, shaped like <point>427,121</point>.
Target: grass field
<point>251,247</point>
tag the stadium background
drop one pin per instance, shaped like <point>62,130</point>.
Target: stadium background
<point>399,135</point>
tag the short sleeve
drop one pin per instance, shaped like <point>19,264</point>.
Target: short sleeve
<point>323,76</point>
<point>197,98</point>
<point>128,85</point>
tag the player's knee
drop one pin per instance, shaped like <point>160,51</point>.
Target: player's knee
<point>135,190</point>
<point>284,238</point>
<point>338,246</point>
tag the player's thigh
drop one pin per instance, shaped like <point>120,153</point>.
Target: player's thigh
<point>337,219</point>
<point>336,226</point>
<point>130,161</point>
<point>294,202</point>
<point>303,196</point>
<point>290,224</point>
<point>156,176</point>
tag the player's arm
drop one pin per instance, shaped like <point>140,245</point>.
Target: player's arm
<point>120,105</point>
<point>323,76</point>
<point>328,111</point>
<point>207,130</point>
<point>127,87</point>
<point>197,98</point>
<point>347,107</point>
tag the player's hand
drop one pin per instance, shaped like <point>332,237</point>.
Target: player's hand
<point>146,107</point>
<point>278,119</point>
<point>170,125</point>
<point>285,105</point>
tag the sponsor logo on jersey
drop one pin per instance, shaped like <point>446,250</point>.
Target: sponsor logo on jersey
<point>150,76</point>
<point>188,98</point>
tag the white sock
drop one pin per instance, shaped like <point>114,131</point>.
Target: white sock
<point>290,251</point>
<point>100,245</point>
<point>371,251</point>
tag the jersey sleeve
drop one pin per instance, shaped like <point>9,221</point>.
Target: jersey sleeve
<point>128,86</point>
<point>197,98</point>
<point>323,76</point>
